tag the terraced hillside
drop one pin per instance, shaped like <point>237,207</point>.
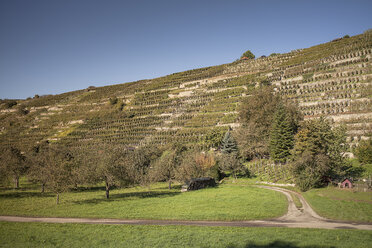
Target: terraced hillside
<point>333,79</point>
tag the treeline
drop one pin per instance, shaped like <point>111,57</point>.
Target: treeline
<point>58,168</point>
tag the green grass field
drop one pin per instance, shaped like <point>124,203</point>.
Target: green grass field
<point>341,204</point>
<point>81,235</point>
<point>226,202</point>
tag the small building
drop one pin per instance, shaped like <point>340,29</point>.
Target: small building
<point>346,183</point>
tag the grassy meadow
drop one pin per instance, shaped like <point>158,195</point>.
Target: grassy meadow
<point>341,204</point>
<point>226,202</point>
<point>85,235</point>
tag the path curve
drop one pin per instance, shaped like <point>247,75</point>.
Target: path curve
<point>295,218</point>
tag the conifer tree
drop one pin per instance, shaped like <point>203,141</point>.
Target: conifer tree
<point>281,136</point>
<point>228,143</point>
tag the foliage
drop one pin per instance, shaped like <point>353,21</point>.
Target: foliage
<point>13,164</point>
<point>228,143</point>
<point>52,165</point>
<point>248,54</point>
<point>213,138</point>
<point>364,151</point>
<point>9,103</point>
<point>115,165</point>
<point>318,154</point>
<point>281,135</point>
<point>274,54</point>
<point>232,163</point>
<point>113,100</point>
<point>196,164</point>
<point>166,166</point>
<point>256,116</point>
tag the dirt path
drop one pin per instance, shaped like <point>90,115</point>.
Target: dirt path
<point>304,217</point>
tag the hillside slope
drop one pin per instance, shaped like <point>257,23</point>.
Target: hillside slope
<point>332,79</point>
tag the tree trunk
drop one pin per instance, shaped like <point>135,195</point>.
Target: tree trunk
<point>57,199</point>
<point>107,190</point>
<point>16,182</point>
<point>42,187</point>
<point>170,184</point>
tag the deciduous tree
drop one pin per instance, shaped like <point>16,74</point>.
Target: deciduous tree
<point>13,164</point>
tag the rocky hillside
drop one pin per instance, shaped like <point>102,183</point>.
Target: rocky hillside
<point>332,79</point>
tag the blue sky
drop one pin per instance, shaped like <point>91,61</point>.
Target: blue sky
<point>51,47</point>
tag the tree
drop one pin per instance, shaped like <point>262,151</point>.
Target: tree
<point>41,167</point>
<point>364,151</point>
<point>141,161</point>
<point>112,164</point>
<point>248,54</point>
<point>60,170</point>
<point>52,166</point>
<point>231,162</point>
<point>318,154</point>
<point>256,115</point>
<point>228,143</point>
<point>213,138</point>
<point>39,171</point>
<point>196,164</point>
<point>281,135</point>
<point>13,164</point>
<point>166,166</point>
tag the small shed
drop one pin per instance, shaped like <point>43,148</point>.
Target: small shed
<point>346,183</point>
<point>199,183</point>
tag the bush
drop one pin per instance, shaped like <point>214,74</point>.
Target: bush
<point>10,103</point>
<point>113,100</point>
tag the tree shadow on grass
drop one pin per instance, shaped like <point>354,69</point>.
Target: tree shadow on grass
<point>277,244</point>
<point>88,189</point>
<point>20,194</point>
<point>124,196</point>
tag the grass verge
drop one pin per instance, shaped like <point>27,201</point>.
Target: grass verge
<point>296,200</point>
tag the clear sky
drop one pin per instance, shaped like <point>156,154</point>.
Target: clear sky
<point>51,47</point>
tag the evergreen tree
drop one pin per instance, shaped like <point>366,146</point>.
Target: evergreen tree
<point>228,143</point>
<point>281,136</point>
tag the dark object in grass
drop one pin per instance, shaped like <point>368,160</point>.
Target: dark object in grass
<point>200,183</point>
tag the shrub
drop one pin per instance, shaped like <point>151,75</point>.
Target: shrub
<point>113,100</point>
